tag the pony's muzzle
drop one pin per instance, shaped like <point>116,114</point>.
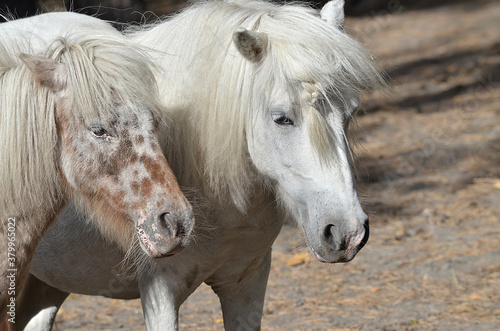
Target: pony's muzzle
<point>338,247</point>
<point>167,233</point>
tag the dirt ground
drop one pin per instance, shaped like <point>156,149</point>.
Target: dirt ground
<point>430,179</point>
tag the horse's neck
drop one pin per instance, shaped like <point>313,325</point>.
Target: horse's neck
<point>32,222</point>
<point>24,232</point>
<point>218,217</point>
<point>39,203</point>
<point>174,56</point>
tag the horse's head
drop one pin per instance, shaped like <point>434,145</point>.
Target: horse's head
<point>318,189</point>
<point>110,156</point>
<point>305,86</point>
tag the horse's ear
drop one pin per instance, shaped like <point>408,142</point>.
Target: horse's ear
<point>333,13</point>
<point>252,45</point>
<point>47,72</point>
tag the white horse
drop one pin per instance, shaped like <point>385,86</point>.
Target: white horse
<point>76,121</point>
<point>260,96</point>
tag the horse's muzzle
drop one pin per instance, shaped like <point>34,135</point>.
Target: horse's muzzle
<point>166,234</point>
<point>338,248</point>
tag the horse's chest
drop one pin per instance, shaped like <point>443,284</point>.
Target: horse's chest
<point>246,237</point>
<point>251,240</point>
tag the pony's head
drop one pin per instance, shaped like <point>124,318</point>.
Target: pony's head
<point>298,77</point>
<point>106,107</point>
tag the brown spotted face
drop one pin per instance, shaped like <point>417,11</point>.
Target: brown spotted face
<point>111,159</point>
<point>117,161</point>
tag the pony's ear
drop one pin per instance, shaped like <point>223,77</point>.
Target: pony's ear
<point>47,72</point>
<point>333,13</point>
<point>252,45</point>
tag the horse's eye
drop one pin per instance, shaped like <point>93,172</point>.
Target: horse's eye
<point>282,120</point>
<point>99,132</point>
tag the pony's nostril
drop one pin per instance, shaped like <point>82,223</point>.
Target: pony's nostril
<point>164,216</point>
<point>327,232</point>
<point>166,223</point>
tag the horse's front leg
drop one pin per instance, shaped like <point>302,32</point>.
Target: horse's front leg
<point>161,311</point>
<point>163,289</point>
<point>242,299</point>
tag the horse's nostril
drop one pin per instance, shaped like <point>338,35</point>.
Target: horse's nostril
<point>166,223</point>
<point>327,232</point>
<point>366,225</point>
<point>164,216</point>
<point>332,241</point>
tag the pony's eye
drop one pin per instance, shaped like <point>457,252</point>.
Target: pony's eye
<point>99,132</point>
<point>282,120</point>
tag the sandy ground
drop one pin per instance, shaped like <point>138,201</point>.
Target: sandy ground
<point>430,178</point>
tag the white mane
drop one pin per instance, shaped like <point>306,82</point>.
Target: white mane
<point>102,71</point>
<point>224,90</point>
<point>28,140</point>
